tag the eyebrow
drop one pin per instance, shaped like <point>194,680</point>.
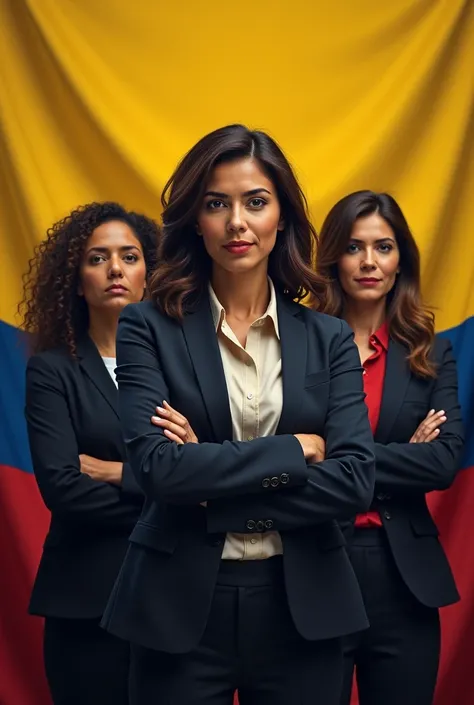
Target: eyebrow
<point>252,192</point>
<point>105,250</point>
<point>381,239</point>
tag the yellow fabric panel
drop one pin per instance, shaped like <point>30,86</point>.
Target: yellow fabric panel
<point>98,100</point>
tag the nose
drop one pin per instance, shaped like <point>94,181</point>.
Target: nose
<point>368,259</point>
<point>236,222</point>
<point>115,269</point>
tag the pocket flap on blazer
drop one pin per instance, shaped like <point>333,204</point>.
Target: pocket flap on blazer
<point>154,537</point>
<point>423,525</point>
<point>315,378</point>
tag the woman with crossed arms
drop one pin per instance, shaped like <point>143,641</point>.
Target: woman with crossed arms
<point>370,256</point>
<point>236,576</point>
<point>92,264</point>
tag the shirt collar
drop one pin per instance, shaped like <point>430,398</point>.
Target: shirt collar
<point>382,335</point>
<point>218,311</point>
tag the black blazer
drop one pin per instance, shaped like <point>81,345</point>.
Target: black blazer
<point>162,596</point>
<point>405,471</point>
<point>71,408</point>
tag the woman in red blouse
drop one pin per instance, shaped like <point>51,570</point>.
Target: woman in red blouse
<point>371,258</point>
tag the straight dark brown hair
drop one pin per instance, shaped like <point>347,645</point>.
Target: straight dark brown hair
<point>184,267</point>
<point>410,322</point>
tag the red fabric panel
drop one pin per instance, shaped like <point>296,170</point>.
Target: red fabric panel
<point>23,525</point>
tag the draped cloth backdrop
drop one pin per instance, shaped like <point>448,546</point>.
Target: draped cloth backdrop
<point>99,100</point>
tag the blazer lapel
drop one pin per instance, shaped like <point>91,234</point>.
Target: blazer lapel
<point>93,365</point>
<point>293,337</point>
<point>201,339</point>
<point>397,377</point>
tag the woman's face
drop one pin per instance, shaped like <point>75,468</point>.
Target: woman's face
<point>113,268</point>
<point>239,217</point>
<point>369,267</point>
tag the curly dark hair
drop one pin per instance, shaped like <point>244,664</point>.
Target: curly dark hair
<point>51,309</point>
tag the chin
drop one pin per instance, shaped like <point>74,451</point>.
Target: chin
<point>369,295</point>
<point>241,266</point>
<point>116,304</point>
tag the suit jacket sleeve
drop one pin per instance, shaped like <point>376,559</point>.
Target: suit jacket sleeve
<point>190,473</point>
<point>54,451</point>
<point>423,467</point>
<point>340,486</point>
<point>130,486</point>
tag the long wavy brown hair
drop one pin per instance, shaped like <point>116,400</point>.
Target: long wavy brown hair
<point>184,266</point>
<point>51,309</point>
<point>410,322</point>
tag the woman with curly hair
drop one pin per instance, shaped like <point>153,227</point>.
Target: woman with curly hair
<point>91,265</point>
<point>370,256</point>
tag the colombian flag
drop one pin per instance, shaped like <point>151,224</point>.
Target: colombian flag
<point>24,521</point>
<point>98,101</point>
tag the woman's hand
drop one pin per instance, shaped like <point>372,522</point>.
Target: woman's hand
<point>176,426</point>
<point>429,427</point>
<point>314,447</point>
<point>101,470</point>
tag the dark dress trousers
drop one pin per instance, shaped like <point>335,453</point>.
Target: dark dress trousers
<point>71,409</point>
<point>164,593</point>
<point>402,568</point>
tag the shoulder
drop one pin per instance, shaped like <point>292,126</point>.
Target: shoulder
<point>444,358</point>
<point>330,336</point>
<point>145,325</point>
<point>50,371</point>
<point>144,309</point>
<point>55,359</point>
<point>322,320</point>
<point>328,326</point>
<point>442,348</point>
<point>147,313</point>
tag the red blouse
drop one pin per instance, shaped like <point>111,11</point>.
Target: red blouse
<point>374,375</point>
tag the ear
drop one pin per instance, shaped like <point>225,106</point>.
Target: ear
<point>281,224</point>
<point>80,291</point>
<point>198,230</point>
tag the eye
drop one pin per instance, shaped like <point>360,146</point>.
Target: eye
<point>130,258</point>
<point>215,204</point>
<point>96,259</point>
<point>385,247</point>
<point>352,248</point>
<point>257,202</point>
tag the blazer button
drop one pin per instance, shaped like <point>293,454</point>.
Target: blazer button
<point>387,515</point>
<point>269,524</point>
<point>380,496</point>
<point>250,525</point>
<point>266,482</point>
<point>260,525</point>
<point>275,481</point>
<point>284,478</point>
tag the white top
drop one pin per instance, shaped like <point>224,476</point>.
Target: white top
<point>111,364</point>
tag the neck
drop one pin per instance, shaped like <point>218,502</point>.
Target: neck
<point>103,331</point>
<point>244,296</point>
<point>364,320</point>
